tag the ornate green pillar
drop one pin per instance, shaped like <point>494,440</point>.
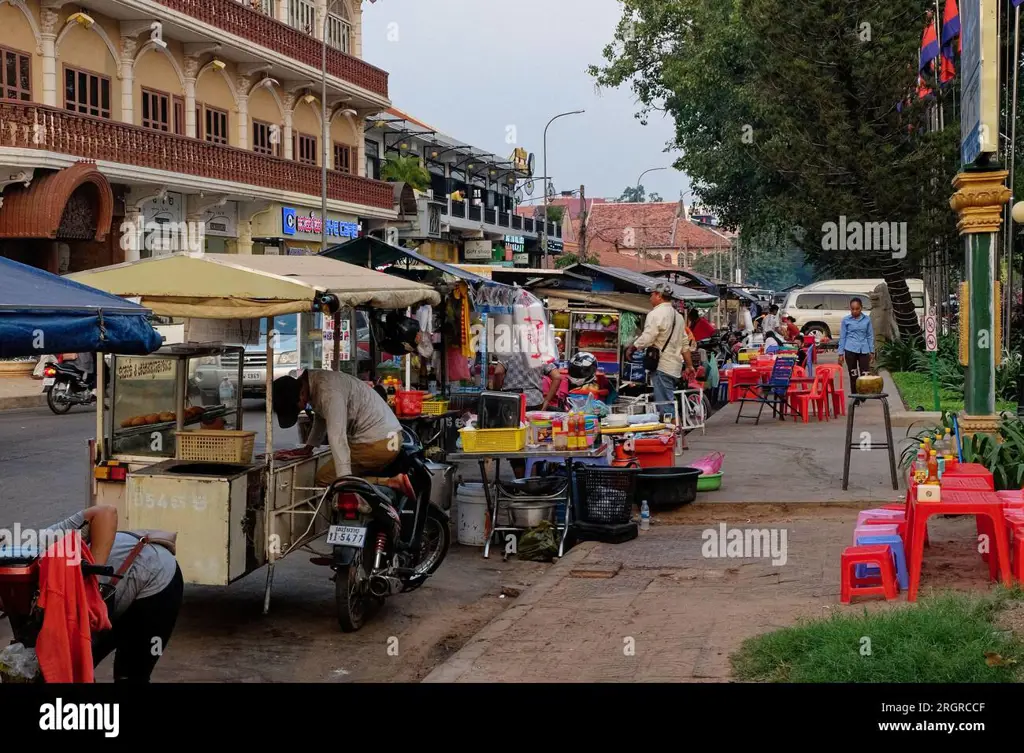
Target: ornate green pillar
<point>979,200</point>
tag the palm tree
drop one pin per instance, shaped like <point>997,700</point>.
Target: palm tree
<point>407,169</point>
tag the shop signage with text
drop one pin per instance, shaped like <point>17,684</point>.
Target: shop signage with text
<point>292,222</point>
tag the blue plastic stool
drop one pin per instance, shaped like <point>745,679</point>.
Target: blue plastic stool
<point>895,544</point>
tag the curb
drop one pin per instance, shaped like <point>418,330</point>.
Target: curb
<point>462,661</point>
<point>23,401</point>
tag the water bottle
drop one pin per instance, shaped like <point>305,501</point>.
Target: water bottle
<point>227,391</point>
<point>645,516</point>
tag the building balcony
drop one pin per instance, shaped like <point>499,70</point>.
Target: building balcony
<point>48,129</point>
<point>459,215</point>
<point>262,30</point>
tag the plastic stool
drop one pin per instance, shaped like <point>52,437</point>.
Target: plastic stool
<point>884,529</point>
<point>895,544</point>
<point>850,585</point>
<point>881,514</point>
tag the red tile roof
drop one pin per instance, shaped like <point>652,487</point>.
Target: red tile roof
<point>626,226</point>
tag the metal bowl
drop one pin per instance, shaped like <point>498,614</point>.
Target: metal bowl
<point>530,514</point>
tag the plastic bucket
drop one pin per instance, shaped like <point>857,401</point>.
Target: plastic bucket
<point>474,525</point>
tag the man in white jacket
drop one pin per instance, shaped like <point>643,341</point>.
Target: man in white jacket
<point>665,329</point>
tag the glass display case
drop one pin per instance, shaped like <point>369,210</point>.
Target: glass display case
<point>597,332</point>
<point>153,396</point>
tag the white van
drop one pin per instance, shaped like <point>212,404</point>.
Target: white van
<point>820,307</point>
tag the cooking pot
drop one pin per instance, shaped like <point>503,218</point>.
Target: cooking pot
<point>442,484</point>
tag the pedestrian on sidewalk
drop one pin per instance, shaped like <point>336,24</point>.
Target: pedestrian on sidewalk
<point>665,331</point>
<point>856,341</point>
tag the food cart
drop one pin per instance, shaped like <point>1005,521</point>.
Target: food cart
<point>233,513</point>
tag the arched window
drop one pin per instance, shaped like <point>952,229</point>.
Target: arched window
<point>339,28</point>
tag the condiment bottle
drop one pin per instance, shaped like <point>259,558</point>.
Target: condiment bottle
<point>933,469</point>
<point>920,469</point>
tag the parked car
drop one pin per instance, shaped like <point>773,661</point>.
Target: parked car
<point>820,312</point>
<point>213,370</point>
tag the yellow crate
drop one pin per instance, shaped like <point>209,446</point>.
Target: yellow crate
<point>434,407</point>
<point>216,446</point>
<point>493,440</point>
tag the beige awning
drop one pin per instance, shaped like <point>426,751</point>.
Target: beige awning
<point>227,286</point>
<point>638,304</point>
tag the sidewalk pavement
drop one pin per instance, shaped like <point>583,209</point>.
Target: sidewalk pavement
<point>657,609</point>
<point>21,392</point>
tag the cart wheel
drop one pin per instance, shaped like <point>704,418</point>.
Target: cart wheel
<point>436,539</point>
<point>350,596</point>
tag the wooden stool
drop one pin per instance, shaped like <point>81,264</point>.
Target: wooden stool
<point>887,445</point>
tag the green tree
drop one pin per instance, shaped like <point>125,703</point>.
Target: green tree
<point>556,213</point>
<point>786,119</point>
<point>406,169</point>
<point>638,195</point>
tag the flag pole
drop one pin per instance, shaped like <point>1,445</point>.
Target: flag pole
<point>1013,154</point>
<point>938,66</point>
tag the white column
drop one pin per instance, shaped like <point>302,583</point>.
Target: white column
<point>289,107</point>
<point>131,233</point>
<point>243,121</point>
<point>128,48</point>
<point>321,18</point>
<point>48,33</point>
<point>282,10</point>
<point>190,107</point>
<point>244,243</point>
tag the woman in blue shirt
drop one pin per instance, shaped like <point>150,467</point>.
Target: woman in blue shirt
<point>856,341</point>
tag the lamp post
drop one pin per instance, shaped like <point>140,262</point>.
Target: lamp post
<point>544,237</point>
<point>650,170</point>
<point>643,245</point>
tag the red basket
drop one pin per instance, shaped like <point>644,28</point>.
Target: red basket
<point>410,402</point>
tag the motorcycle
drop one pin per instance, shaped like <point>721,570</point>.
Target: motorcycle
<point>66,385</point>
<point>384,541</point>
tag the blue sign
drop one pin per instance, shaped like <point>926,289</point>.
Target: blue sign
<point>292,222</point>
<point>970,93</point>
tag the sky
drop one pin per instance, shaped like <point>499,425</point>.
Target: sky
<point>481,70</point>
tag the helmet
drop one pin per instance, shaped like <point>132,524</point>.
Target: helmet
<point>399,335</point>
<point>582,369</point>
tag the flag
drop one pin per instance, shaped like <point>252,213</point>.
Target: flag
<point>947,71</point>
<point>929,45</point>
<point>923,90</point>
<point>1016,3</point>
<point>950,27</point>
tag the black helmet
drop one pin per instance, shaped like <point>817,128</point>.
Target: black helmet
<point>582,369</point>
<point>399,334</point>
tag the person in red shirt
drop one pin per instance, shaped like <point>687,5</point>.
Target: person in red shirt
<point>792,331</point>
<point>702,329</point>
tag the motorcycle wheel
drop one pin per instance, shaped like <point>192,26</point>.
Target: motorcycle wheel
<point>434,544</point>
<point>350,597</point>
<point>58,405</point>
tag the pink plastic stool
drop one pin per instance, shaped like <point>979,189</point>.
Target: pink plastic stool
<point>875,530</point>
<point>880,514</point>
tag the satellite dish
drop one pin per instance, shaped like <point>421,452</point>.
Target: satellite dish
<point>519,195</point>
<point>529,187</point>
<point>530,162</point>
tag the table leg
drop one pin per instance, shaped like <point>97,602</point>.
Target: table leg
<point>846,447</point>
<point>568,507</point>
<point>1003,542</point>
<point>492,504</point>
<point>890,449</point>
<point>916,554</point>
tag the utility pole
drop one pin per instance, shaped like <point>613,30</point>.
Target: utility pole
<point>583,224</point>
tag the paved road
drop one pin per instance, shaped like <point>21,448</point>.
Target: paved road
<point>222,635</point>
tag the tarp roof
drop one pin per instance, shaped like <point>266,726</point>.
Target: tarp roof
<point>227,286</point>
<point>642,282</point>
<point>43,313</point>
<point>373,252</point>
<point>638,304</point>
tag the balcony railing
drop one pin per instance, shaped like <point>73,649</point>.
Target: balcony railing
<point>260,29</point>
<point>528,224</point>
<point>475,213</point>
<point>32,126</point>
<point>490,216</point>
<point>517,222</point>
<point>459,209</point>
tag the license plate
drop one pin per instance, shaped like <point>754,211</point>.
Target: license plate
<point>48,381</point>
<point>252,376</point>
<point>346,536</point>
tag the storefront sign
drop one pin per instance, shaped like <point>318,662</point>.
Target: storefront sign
<point>515,243</point>
<point>345,352</point>
<point>478,250</point>
<point>292,222</point>
<point>521,259</point>
<point>555,245</point>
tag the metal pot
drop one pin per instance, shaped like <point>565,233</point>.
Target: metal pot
<point>442,484</point>
<point>530,514</point>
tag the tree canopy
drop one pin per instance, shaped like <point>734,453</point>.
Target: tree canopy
<point>788,118</point>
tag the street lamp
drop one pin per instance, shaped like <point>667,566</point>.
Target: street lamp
<point>642,254</point>
<point>651,170</point>
<point>544,238</point>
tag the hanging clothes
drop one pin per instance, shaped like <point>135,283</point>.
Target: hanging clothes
<point>461,296</point>
<point>628,325</point>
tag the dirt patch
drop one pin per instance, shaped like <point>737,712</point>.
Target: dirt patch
<point>1012,618</point>
<point>701,514</point>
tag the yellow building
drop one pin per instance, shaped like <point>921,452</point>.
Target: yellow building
<point>131,127</point>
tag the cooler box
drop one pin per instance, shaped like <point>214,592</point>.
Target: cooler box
<point>652,452</point>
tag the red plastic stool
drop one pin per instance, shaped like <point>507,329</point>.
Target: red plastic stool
<point>883,584</point>
<point>1017,552</point>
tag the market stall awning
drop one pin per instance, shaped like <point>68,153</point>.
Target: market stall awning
<point>635,302</point>
<point>227,286</point>
<point>641,282</point>
<point>42,313</point>
<point>373,252</point>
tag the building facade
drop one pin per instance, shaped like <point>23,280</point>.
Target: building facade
<point>467,214</point>
<point>133,127</point>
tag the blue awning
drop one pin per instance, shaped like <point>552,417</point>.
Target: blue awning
<point>43,313</point>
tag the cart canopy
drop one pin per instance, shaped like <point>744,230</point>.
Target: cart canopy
<point>372,252</point>
<point>43,313</point>
<point>227,286</point>
<point>626,280</point>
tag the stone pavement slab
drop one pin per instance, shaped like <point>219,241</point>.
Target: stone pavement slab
<point>21,392</point>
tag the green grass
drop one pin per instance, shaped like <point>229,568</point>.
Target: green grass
<point>942,639</point>
<point>916,390</point>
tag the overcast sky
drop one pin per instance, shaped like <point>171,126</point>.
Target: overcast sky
<point>472,68</point>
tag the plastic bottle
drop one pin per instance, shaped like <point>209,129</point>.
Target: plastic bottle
<point>933,468</point>
<point>645,516</point>
<point>950,449</point>
<point>226,391</point>
<point>920,469</point>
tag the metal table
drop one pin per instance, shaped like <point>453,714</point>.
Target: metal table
<point>492,506</point>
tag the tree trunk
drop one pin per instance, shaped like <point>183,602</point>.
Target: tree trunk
<point>902,304</point>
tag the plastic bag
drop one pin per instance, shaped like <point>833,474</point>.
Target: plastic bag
<point>19,664</point>
<point>539,544</point>
<point>709,464</point>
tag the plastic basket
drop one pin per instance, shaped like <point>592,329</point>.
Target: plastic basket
<point>434,407</point>
<point>410,402</point>
<point>216,446</point>
<point>606,495</point>
<point>493,440</point>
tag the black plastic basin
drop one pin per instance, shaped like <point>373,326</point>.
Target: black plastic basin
<point>666,487</point>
